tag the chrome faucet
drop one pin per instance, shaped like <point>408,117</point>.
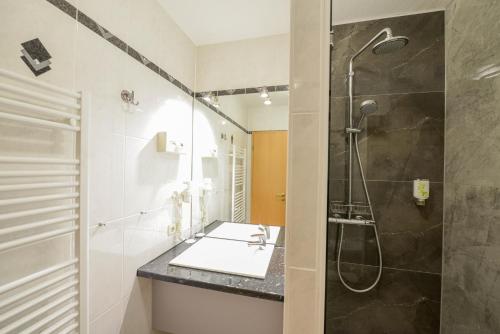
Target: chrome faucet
<point>262,242</point>
<point>266,230</point>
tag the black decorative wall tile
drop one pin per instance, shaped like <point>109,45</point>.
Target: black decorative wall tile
<point>225,92</point>
<point>118,43</point>
<point>36,50</point>
<point>65,6</point>
<point>251,90</point>
<point>239,91</point>
<point>419,67</point>
<point>101,31</point>
<point>404,140</point>
<point>410,235</point>
<point>89,23</point>
<point>187,90</point>
<point>404,302</point>
<point>134,54</point>
<point>35,71</point>
<point>471,273</point>
<point>166,76</point>
<point>143,60</point>
<point>36,56</point>
<point>282,88</point>
<point>471,276</point>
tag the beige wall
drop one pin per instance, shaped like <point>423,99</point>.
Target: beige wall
<point>308,165</point>
<point>268,118</point>
<point>247,63</point>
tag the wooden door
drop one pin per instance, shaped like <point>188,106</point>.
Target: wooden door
<point>269,159</point>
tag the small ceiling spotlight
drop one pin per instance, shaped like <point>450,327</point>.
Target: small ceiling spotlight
<point>215,102</point>
<point>208,97</point>
<point>264,93</point>
<point>268,102</point>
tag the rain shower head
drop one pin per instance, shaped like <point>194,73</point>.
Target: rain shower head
<point>368,107</point>
<point>390,44</point>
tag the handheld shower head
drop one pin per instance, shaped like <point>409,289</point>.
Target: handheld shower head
<point>390,44</point>
<point>368,107</point>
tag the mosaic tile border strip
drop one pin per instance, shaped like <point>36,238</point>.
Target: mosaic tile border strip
<point>241,91</point>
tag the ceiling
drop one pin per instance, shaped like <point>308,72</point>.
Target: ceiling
<point>252,101</point>
<point>218,21</point>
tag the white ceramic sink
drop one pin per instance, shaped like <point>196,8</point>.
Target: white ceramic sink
<point>236,231</point>
<point>226,256</point>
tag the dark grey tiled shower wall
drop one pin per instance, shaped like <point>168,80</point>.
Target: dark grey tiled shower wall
<point>471,267</point>
<point>402,142</point>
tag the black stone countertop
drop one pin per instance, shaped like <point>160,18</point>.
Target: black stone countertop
<point>272,287</point>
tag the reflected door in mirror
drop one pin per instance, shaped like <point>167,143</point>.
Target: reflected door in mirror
<point>269,159</point>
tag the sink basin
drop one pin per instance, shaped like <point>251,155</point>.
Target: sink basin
<point>242,232</point>
<point>226,256</point>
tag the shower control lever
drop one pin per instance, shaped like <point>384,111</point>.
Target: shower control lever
<point>266,230</point>
<point>352,130</point>
<point>262,242</point>
<point>350,221</point>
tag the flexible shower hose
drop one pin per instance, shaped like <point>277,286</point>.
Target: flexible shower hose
<point>341,237</point>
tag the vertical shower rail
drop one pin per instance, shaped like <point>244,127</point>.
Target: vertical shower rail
<point>238,208</point>
<point>43,198</point>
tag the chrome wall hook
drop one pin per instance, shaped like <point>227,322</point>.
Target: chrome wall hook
<point>129,97</point>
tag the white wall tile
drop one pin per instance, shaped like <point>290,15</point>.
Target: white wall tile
<point>109,322</point>
<point>150,177</point>
<point>106,177</point>
<point>306,65</point>
<point>162,106</point>
<point>301,297</point>
<point>302,197</point>
<point>106,267</point>
<point>140,247</point>
<point>101,73</point>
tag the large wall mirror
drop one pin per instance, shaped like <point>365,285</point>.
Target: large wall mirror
<point>240,156</point>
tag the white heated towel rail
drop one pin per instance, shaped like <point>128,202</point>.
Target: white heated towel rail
<point>238,208</point>
<point>43,201</point>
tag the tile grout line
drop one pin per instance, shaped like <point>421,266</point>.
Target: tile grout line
<point>394,268</point>
<point>333,97</point>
